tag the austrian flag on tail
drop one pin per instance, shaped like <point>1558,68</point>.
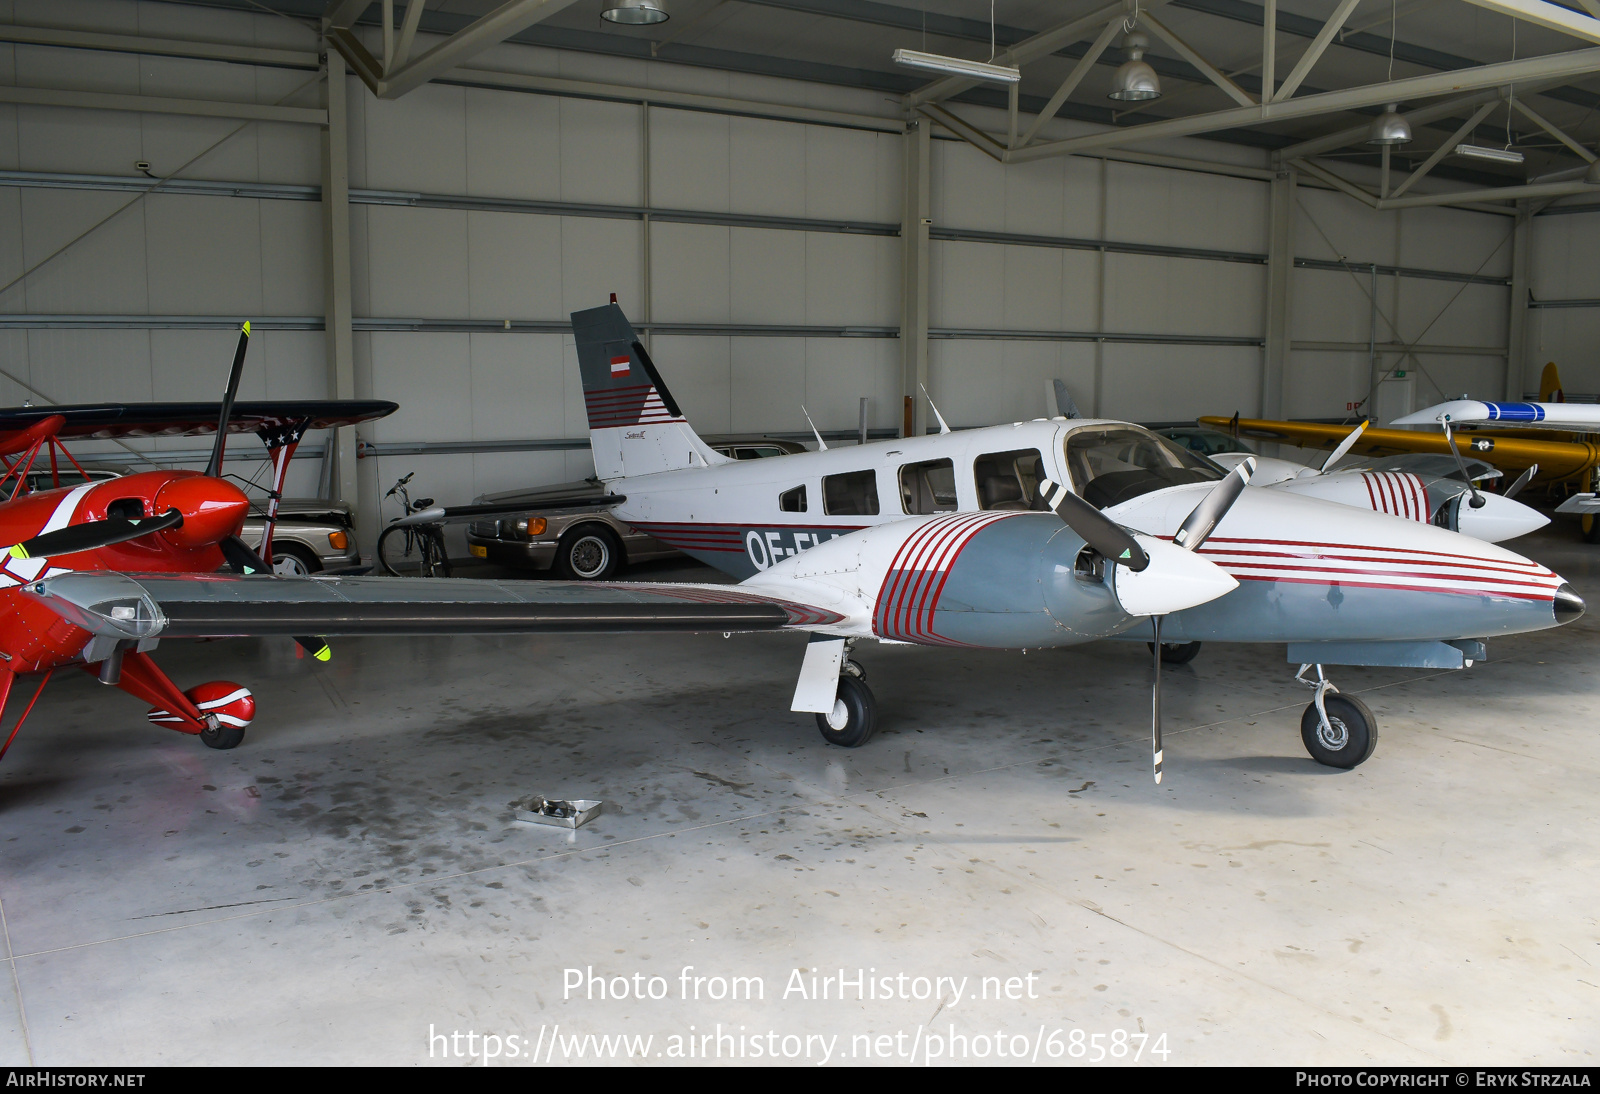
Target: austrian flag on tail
<point>621,365</point>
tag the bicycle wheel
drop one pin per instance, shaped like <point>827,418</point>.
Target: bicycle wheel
<point>438,561</point>
<point>401,551</point>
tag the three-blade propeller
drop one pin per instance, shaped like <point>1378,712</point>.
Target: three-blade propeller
<point>1118,544</point>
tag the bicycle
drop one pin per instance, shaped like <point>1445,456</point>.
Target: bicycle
<point>413,543</point>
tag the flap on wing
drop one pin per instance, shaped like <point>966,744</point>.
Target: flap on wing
<point>139,606</point>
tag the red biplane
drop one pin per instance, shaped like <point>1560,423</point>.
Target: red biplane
<point>150,522</point>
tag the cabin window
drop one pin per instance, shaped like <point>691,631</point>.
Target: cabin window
<point>1110,466</point>
<point>1009,480</point>
<point>793,501</point>
<point>854,494</point>
<point>928,487</point>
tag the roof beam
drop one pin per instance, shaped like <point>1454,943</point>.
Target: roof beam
<point>157,47</point>
<point>969,133</point>
<point>1446,148</point>
<point>1550,16</point>
<point>1554,66</point>
<point>1040,45</point>
<point>344,13</point>
<point>1302,67</point>
<point>509,18</point>
<point>1074,78</point>
<point>1425,115</point>
<point>1207,69</point>
<point>1537,119</point>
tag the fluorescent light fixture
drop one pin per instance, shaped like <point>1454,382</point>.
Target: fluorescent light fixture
<point>956,66</point>
<point>1480,152</point>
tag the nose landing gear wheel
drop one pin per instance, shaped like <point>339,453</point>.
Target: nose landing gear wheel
<point>854,716</point>
<point>1176,653</point>
<point>1349,737</point>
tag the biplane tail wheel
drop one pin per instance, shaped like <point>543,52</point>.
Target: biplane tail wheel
<point>229,706</point>
<point>854,716</point>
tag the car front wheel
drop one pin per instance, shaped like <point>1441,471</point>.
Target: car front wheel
<point>293,560</point>
<point>588,553</point>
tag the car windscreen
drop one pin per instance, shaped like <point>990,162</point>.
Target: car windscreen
<point>1113,464</point>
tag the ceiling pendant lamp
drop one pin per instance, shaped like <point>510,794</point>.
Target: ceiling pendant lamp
<point>635,12</point>
<point>1389,127</point>
<point>1135,81</point>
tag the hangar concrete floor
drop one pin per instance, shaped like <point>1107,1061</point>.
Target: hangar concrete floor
<point>353,877</point>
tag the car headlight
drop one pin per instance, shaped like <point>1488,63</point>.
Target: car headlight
<point>528,527</point>
<point>339,541</point>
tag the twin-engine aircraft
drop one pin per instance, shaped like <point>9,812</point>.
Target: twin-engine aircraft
<point>1036,534</point>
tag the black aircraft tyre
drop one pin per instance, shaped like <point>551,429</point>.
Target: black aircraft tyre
<point>854,716</point>
<point>1355,731</point>
<point>222,736</point>
<point>1176,653</point>
<point>588,552</point>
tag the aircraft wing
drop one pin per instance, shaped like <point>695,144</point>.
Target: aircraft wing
<point>106,420</point>
<point>1556,459</point>
<point>1582,417</point>
<point>144,606</point>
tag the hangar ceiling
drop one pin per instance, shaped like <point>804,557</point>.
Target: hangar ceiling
<point>1540,99</point>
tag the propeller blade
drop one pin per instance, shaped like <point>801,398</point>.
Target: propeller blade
<point>1450,438</point>
<point>1344,447</point>
<point>244,560</point>
<point>1097,530</point>
<point>242,557</point>
<point>1155,705</point>
<point>214,465</point>
<point>93,535</point>
<point>1522,480</point>
<point>1205,517</point>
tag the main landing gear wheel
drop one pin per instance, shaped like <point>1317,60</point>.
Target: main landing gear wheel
<point>854,715</point>
<point>1176,653</point>
<point>1349,737</point>
<point>229,709</point>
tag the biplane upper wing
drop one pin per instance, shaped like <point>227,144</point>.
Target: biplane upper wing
<point>108,420</point>
<point>135,607</point>
<point>1556,459</point>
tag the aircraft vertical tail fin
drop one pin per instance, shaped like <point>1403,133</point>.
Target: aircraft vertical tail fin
<point>1550,385</point>
<point>635,425</point>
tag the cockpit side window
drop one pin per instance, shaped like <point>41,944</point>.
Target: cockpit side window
<point>928,487</point>
<point>852,494</point>
<point>1114,464</point>
<point>1009,480</point>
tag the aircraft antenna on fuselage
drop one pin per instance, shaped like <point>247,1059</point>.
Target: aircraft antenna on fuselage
<point>822,445</point>
<point>943,428</point>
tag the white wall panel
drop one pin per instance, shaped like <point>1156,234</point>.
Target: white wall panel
<point>600,152</point>
<point>689,160</point>
<point>513,144</point>
<point>511,274</point>
<point>1348,230</point>
<point>1564,250</point>
<point>418,261</point>
<point>430,376</point>
<point>981,382</point>
<point>968,284</point>
<point>91,142</point>
<point>1571,338</point>
<point>767,279</point>
<point>1185,208</point>
<point>768,383</point>
<point>852,279</point>
<point>291,257</point>
<point>519,386</point>
<point>766,166</point>
<point>1321,385</point>
<point>1451,239</point>
<point>600,257</point>
<point>690,267</point>
<point>1194,380</point>
<point>840,371</point>
<point>418,142</point>
<point>1154,295</point>
<point>1333,306</point>
<point>204,255</point>
<point>851,175</point>
<point>85,366</point>
<point>1453,314</point>
<point>104,272</point>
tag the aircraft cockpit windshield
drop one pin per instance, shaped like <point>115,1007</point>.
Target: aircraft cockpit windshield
<point>1116,463</point>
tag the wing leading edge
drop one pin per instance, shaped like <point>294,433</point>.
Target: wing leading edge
<point>147,606</point>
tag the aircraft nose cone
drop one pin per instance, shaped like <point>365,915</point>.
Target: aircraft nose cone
<point>1568,605</point>
<point>212,509</point>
